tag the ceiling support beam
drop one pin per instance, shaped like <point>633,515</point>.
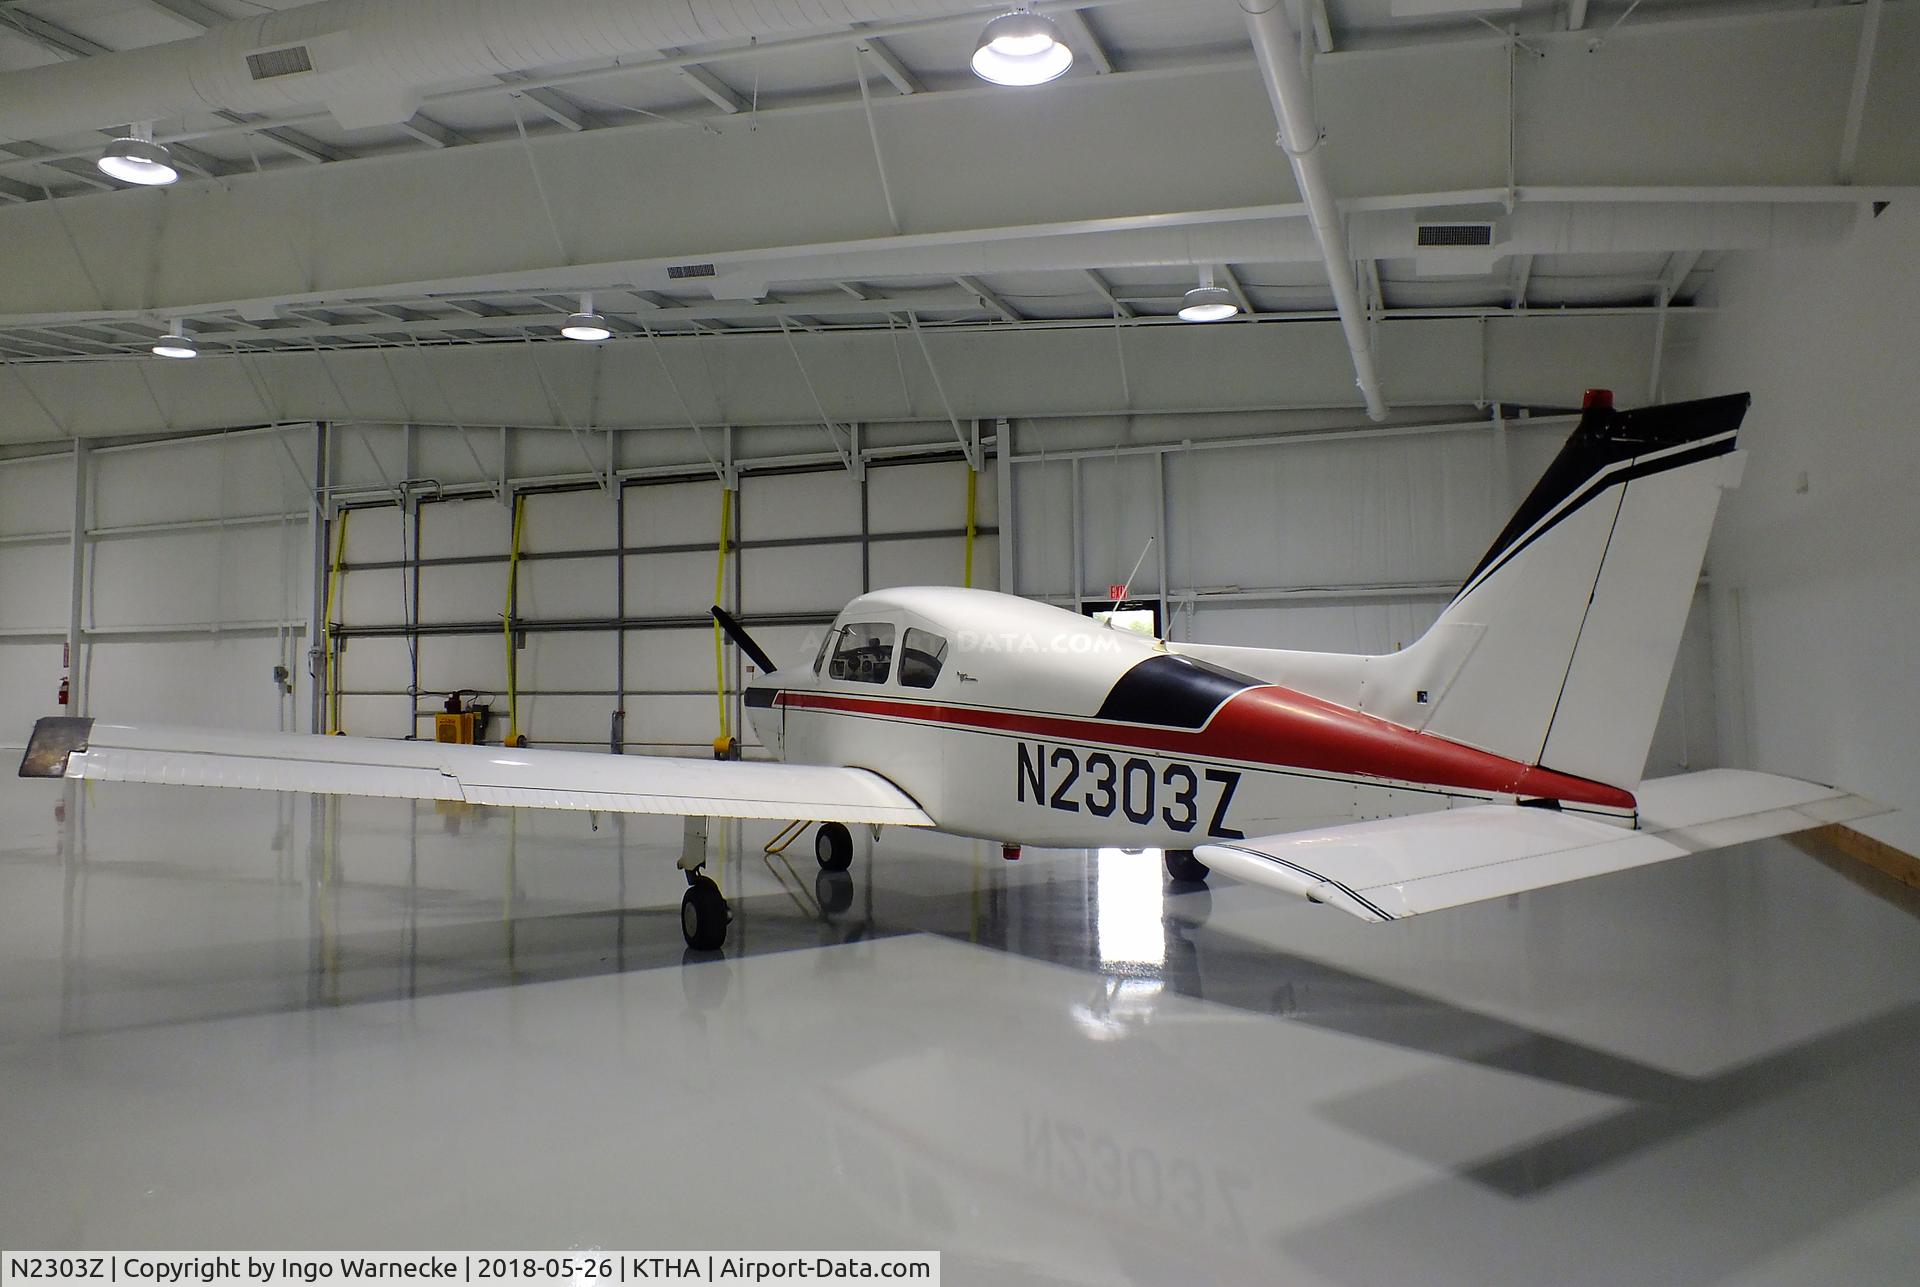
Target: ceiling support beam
<point>1105,290</point>
<point>1081,36</point>
<point>1523,273</point>
<point>896,72</point>
<point>557,107</point>
<point>321,330</point>
<point>195,12</point>
<point>1277,49</point>
<point>1234,284</point>
<point>51,36</point>
<point>80,170</point>
<point>990,298</point>
<point>298,142</point>
<point>303,145</point>
<point>1576,14</point>
<point>432,132</point>
<point>1045,371</point>
<point>77,169</point>
<point>1680,266</point>
<point>87,174</point>
<point>712,88</point>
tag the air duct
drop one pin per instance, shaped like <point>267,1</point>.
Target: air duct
<point>1277,48</point>
<point>369,61</point>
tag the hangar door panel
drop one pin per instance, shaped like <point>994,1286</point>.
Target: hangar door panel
<point>199,581</point>
<point>36,515</point>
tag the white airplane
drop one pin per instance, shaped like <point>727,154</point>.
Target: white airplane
<point>1500,752</point>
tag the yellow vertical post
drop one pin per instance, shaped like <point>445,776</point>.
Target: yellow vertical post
<point>506,619</point>
<point>332,703</point>
<point>973,492</point>
<point>719,592</point>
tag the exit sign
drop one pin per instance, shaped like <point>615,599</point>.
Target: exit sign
<point>1116,592</point>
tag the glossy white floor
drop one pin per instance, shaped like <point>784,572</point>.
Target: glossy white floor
<point>237,1020</point>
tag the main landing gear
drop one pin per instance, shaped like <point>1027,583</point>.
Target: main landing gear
<point>833,846</point>
<point>1185,869</point>
<point>704,914</point>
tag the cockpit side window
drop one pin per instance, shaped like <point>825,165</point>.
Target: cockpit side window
<point>922,654</point>
<point>863,652</point>
<point>826,646</point>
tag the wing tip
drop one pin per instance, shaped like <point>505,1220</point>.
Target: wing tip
<point>54,741</point>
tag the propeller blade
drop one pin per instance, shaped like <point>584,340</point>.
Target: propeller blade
<point>743,641</point>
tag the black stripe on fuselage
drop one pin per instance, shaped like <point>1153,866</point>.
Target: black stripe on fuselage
<point>1171,691</point>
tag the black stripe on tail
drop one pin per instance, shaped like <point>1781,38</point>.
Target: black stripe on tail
<point>1605,438</point>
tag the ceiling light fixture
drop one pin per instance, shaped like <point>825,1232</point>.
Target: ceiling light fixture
<point>586,324</point>
<point>136,158</point>
<point>1207,302</point>
<point>1021,48</point>
<point>176,343</point>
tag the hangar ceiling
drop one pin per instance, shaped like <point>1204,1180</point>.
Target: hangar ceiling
<point>839,221</point>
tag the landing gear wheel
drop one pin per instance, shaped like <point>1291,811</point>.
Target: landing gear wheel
<point>1184,868</point>
<point>704,915</point>
<point>833,846</point>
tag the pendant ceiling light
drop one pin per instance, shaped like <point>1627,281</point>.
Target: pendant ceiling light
<point>136,158</point>
<point>586,324</point>
<point>1021,48</point>
<point>176,343</point>
<point>1207,302</point>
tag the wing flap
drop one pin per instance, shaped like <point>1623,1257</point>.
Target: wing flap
<point>1398,867</point>
<point>493,775</point>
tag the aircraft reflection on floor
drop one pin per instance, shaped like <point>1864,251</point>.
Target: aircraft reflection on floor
<point>1090,1119</point>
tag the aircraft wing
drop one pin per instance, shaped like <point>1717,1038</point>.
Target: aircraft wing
<point>1398,867</point>
<point>99,752</point>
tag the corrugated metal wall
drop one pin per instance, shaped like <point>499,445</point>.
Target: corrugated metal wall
<point>202,566</point>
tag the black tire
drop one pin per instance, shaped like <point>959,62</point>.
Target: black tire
<point>1185,869</point>
<point>833,846</point>
<point>704,915</point>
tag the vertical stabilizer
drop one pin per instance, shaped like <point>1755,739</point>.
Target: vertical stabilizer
<point>1558,649</point>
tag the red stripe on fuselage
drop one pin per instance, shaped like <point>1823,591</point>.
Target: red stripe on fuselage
<point>1268,725</point>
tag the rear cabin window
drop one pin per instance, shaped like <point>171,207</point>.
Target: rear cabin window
<point>864,653</point>
<point>922,653</point>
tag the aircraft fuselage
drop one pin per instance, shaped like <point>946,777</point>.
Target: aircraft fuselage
<point>1036,725</point>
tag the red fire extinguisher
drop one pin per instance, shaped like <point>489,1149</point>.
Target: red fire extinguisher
<point>65,689</point>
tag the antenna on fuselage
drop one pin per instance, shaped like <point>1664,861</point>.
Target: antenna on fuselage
<point>1126,590</point>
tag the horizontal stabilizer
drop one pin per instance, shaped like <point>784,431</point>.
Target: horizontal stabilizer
<point>1398,867</point>
<point>83,748</point>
